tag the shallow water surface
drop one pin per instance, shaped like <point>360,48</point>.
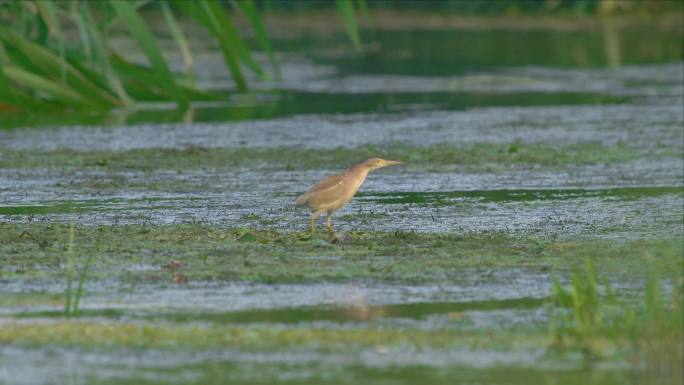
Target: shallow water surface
<point>388,202</point>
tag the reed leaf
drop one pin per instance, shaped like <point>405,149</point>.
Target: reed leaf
<point>140,31</point>
<point>51,66</point>
<point>70,271</point>
<point>12,98</point>
<point>178,36</point>
<point>59,92</point>
<point>41,69</point>
<point>48,11</point>
<point>81,284</point>
<point>116,18</point>
<point>101,55</point>
<point>363,9</point>
<point>205,17</point>
<point>6,93</point>
<point>83,34</point>
<point>346,8</point>
<point>226,29</point>
<point>248,8</point>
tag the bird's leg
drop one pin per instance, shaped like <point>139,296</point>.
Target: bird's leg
<point>330,228</point>
<point>312,221</point>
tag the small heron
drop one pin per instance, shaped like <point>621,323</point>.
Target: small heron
<point>335,191</point>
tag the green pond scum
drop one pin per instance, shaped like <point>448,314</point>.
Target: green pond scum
<point>589,321</point>
<point>585,323</point>
<point>478,157</point>
<point>207,253</point>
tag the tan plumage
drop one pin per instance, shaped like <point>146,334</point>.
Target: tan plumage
<point>335,191</point>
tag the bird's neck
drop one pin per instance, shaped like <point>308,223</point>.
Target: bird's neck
<point>362,173</point>
<point>360,169</point>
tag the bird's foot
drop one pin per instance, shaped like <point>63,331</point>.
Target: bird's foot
<point>340,238</point>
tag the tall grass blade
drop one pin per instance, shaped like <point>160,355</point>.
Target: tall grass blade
<point>205,17</point>
<point>48,11</point>
<point>70,270</point>
<point>363,9</point>
<point>81,283</point>
<point>60,92</point>
<point>6,93</point>
<point>247,6</point>
<point>346,8</point>
<point>116,18</point>
<point>178,36</point>
<point>101,55</point>
<point>49,64</point>
<point>140,31</point>
<point>83,34</point>
<point>226,30</point>
<point>41,69</point>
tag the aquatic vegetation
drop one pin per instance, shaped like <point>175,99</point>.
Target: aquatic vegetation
<point>487,156</point>
<point>596,321</point>
<point>207,253</point>
<point>73,296</point>
<point>41,67</point>
<point>68,309</point>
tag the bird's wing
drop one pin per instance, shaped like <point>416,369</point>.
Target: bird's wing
<point>321,187</point>
<point>327,183</point>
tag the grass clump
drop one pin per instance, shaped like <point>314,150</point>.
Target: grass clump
<point>596,322</point>
<point>72,296</point>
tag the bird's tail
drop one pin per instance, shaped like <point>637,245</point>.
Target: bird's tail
<point>302,200</point>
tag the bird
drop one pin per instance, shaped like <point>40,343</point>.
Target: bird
<point>335,191</point>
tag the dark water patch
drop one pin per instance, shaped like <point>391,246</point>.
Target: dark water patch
<point>310,313</point>
<point>277,104</point>
<point>358,313</point>
<point>448,52</point>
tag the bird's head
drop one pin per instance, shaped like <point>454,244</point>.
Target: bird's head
<point>375,163</point>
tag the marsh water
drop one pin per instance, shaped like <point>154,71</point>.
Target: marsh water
<point>612,96</point>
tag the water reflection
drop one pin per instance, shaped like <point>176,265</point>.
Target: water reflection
<point>611,43</point>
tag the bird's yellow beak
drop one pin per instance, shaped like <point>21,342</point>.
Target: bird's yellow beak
<point>391,162</point>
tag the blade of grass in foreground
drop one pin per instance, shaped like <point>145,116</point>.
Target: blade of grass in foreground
<point>60,92</point>
<point>346,8</point>
<point>70,270</point>
<point>101,54</point>
<point>6,93</point>
<point>48,11</point>
<point>12,98</point>
<point>247,6</point>
<point>50,66</point>
<point>226,29</point>
<point>178,36</point>
<point>140,31</point>
<point>205,17</point>
<point>81,283</point>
